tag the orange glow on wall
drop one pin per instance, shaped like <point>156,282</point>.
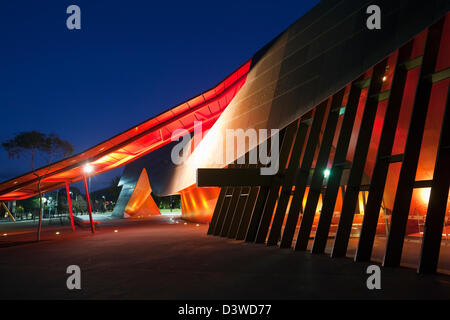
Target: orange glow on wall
<point>425,195</point>
<point>197,204</point>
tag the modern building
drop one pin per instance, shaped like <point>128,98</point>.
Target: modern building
<point>364,126</point>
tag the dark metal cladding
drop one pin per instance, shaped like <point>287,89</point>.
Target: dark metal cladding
<point>327,48</point>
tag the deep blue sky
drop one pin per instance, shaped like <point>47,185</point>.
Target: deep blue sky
<point>131,60</point>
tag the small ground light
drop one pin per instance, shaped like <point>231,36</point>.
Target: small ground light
<point>116,230</point>
<point>197,225</point>
<point>185,223</point>
<point>326,173</point>
<point>57,232</point>
<point>384,78</point>
<point>5,234</point>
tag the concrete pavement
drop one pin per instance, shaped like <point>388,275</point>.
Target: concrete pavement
<point>157,258</point>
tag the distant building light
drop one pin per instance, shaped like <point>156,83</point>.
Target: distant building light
<point>326,173</point>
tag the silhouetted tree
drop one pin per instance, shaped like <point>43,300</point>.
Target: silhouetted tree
<point>34,144</point>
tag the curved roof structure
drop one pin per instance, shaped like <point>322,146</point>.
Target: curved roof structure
<point>314,58</point>
<point>131,144</point>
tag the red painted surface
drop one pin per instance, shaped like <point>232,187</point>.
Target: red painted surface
<point>69,203</point>
<point>133,143</point>
<point>88,201</point>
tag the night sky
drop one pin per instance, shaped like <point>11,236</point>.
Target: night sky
<point>130,61</point>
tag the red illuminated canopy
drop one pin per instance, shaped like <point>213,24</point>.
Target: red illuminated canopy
<point>131,144</point>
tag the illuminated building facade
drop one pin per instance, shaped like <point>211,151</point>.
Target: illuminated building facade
<point>364,116</point>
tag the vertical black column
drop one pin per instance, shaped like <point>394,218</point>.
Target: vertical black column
<point>236,194</point>
<point>217,208</point>
<point>238,212</point>
<point>302,176</point>
<point>256,214</point>
<point>359,161</point>
<point>248,208</point>
<point>274,190</point>
<point>257,211</point>
<point>223,211</point>
<point>437,204</point>
<point>223,208</point>
<point>317,178</point>
<point>407,176</point>
<point>380,171</point>
<point>334,179</point>
<point>289,176</point>
<point>247,213</point>
<point>243,195</point>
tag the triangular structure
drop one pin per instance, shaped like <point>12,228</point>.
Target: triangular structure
<point>141,202</point>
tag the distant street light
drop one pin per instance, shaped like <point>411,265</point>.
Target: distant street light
<point>88,168</point>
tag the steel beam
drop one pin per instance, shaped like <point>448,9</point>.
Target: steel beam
<point>286,190</point>
<point>217,208</point>
<point>359,161</point>
<point>411,153</point>
<point>236,194</point>
<point>315,188</point>
<point>88,201</point>
<point>256,214</point>
<point>242,201</point>
<point>232,177</point>
<point>334,179</point>
<point>69,204</point>
<point>437,204</point>
<point>222,211</point>
<point>302,177</point>
<point>274,190</point>
<point>247,213</point>
<point>257,211</point>
<point>384,157</point>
